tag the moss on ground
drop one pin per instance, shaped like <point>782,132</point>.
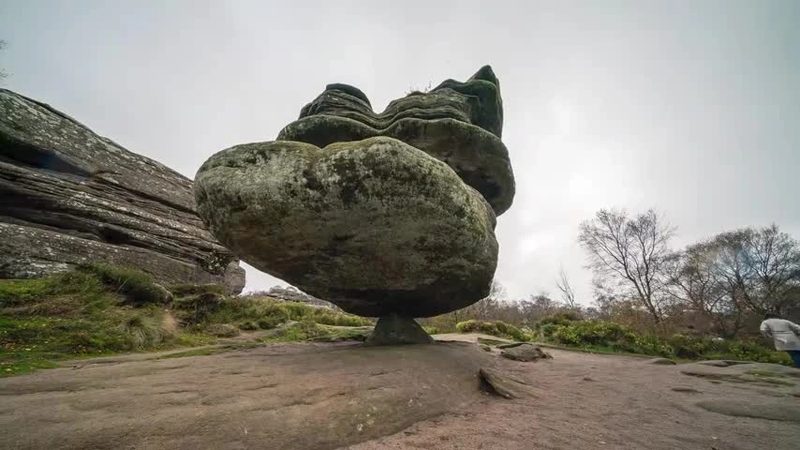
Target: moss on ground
<point>100,310</point>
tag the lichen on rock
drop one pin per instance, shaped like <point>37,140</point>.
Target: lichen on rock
<point>374,226</point>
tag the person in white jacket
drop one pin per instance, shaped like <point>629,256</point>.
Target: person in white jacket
<point>785,335</point>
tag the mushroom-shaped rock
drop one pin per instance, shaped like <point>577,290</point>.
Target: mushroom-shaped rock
<point>389,215</point>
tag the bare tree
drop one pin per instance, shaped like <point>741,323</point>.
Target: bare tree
<point>696,281</point>
<point>632,251</point>
<point>567,293</point>
<point>487,307</point>
<point>736,273</point>
<point>763,265</point>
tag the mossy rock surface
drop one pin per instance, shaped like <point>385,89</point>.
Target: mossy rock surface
<point>375,226</point>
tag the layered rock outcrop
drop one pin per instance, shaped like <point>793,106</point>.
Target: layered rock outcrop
<point>69,196</point>
<point>458,123</point>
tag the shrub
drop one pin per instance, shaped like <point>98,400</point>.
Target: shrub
<point>268,323</point>
<point>198,308</point>
<point>497,328</point>
<point>748,351</point>
<point>300,331</point>
<point>327,317</point>
<point>546,330</point>
<point>269,313</point>
<point>560,318</point>
<point>467,326</point>
<point>137,287</point>
<point>510,330</point>
<point>431,330</point>
<point>604,334</point>
<point>142,331</point>
<point>616,337</point>
<point>691,347</point>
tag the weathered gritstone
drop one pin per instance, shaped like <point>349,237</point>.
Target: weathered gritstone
<point>69,196</point>
<point>458,123</point>
<point>387,215</point>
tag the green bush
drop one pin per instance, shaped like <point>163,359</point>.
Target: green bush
<point>691,347</point>
<point>546,330</point>
<point>496,328</point>
<point>431,330</point>
<point>749,351</point>
<point>608,335</point>
<point>560,318</point>
<point>611,336</point>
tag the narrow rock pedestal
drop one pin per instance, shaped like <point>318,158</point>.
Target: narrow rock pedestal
<point>395,330</point>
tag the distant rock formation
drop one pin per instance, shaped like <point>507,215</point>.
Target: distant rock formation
<point>388,215</point>
<point>69,196</point>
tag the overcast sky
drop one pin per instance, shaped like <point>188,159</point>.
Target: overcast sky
<point>689,107</point>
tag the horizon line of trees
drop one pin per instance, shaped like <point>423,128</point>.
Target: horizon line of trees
<point>723,285</point>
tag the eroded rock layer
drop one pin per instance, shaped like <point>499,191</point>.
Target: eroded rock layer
<point>458,123</point>
<point>69,196</point>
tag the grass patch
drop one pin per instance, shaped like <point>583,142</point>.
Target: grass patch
<point>100,310</point>
<point>137,287</point>
<point>337,334</point>
<point>24,366</point>
<point>92,311</point>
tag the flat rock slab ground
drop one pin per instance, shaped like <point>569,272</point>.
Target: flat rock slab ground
<point>291,396</point>
<point>587,401</point>
<point>328,396</point>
